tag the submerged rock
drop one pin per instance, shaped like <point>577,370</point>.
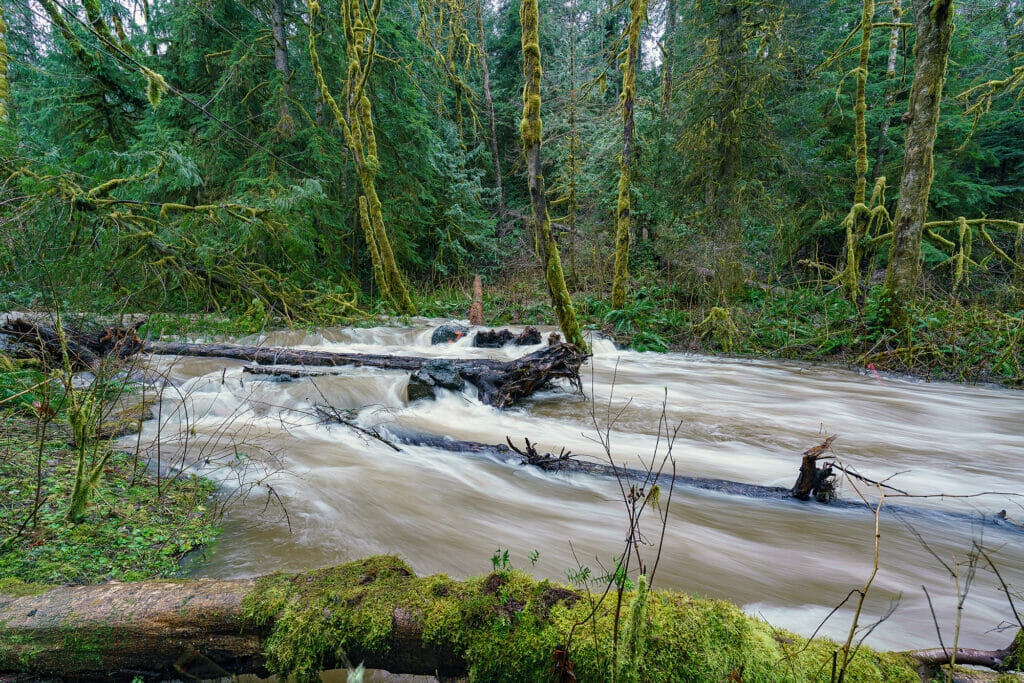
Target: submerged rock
<point>448,333</point>
<point>434,375</point>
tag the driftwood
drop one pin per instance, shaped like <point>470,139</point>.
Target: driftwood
<point>813,480</point>
<point>202,628</point>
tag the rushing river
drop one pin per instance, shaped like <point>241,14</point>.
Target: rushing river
<point>348,496</point>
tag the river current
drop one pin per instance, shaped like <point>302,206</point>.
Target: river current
<point>346,496</point>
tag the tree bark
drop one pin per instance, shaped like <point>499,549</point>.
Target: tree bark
<point>5,84</point>
<point>637,14</point>
<point>890,87</point>
<point>120,630</point>
<point>725,205</point>
<point>277,21</point>
<point>669,43</point>
<point>530,128</point>
<point>934,24</point>
<point>492,139</point>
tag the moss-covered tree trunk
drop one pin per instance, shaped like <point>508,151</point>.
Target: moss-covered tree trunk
<point>5,84</point>
<point>890,87</point>
<point>573,143</point>
<point>627,99</point>
<point>857,221</point>
<point>376,611</point>
<point>668,42</point>
<point>280,33</point>
<point>726,212</point>
<point>933,22</point>
<point>492,138</point>
<point>356,123</point>
<point>530,128</point>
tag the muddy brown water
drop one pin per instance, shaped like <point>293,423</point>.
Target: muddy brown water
<point>347,496</point>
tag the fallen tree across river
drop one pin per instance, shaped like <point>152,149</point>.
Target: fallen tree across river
<point>498,383</point>
<point>378,612</point>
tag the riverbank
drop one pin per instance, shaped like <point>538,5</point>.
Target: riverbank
<point>332,495</point>
<point>136,525</point>
<point>945,340</point>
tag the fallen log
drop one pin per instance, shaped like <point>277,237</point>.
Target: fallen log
<point>377,611</point>
<point>565,462</point>
<point>76,343</point>
<point>498,383</point>
<point>569,463</point>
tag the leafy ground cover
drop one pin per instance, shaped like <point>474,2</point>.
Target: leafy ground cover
<point>134,526</point>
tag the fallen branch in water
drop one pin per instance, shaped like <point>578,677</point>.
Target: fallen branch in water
<point>331,414</point>
<point>567,462</point>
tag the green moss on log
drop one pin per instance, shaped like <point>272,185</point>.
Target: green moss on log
<point>506,627</point>
<point>16,588</point>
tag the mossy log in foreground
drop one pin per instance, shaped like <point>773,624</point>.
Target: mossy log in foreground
<point>502,627</point>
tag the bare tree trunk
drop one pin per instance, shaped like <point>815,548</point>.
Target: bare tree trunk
<point>668,56</point>
<point>725,207</point>
<point>551,260</point>
<point>280,30</point>
<point>637,14</point>
<point>489,106</point>
<point>934,24</point>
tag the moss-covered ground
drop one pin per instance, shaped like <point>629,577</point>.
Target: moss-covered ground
<point>129,532</point>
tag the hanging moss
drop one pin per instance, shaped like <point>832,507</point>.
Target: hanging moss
<point>507,626</point>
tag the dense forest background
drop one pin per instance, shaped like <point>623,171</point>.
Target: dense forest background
<point>181,155</point>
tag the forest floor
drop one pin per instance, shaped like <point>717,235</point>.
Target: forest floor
<point>135,526</point>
